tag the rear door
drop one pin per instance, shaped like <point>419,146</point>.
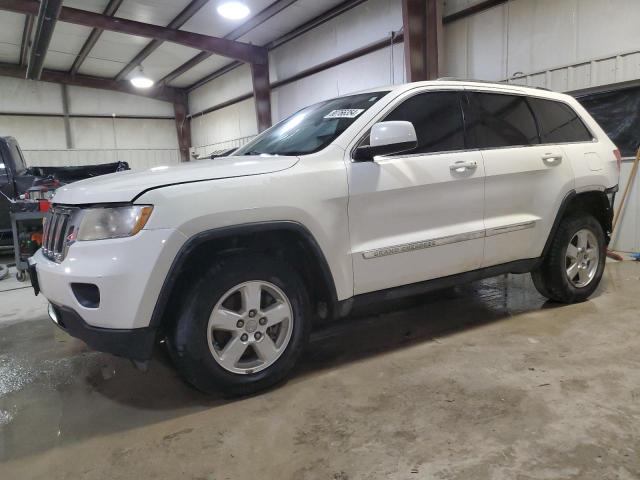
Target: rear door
<point>418,215</point>
<point>525,180</point>
<point>592,161</point>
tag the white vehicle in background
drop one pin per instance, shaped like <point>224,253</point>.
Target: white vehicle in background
<point>359,199</point>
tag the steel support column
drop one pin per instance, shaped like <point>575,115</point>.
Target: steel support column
<point>262,94</point>
<point>422,23</point>
<point>47,18</point>
<point>183,125</point>
<point>25,44</point>
<point>64,91</point>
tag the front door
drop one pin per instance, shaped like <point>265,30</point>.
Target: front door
<point>418,215</point>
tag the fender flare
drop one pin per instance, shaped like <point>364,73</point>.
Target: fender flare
<point>249,228</point>
<point>564,206</point>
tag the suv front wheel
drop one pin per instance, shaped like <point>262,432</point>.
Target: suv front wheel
<point>573,266</point>
<point>242,326</point>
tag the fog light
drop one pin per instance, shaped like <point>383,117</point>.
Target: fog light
<point>87,294</point>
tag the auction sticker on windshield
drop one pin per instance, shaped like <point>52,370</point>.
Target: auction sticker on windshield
<point>345,113</point>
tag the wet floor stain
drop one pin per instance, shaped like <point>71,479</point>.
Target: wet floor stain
<point>486,380</point>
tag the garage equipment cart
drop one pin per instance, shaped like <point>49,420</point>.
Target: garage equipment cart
<point>26,227</point>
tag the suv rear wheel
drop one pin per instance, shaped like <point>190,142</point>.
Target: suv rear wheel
<point>242,326</point>
<point>573,267</point>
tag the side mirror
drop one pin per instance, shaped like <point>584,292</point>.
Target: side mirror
<point>387,138</point>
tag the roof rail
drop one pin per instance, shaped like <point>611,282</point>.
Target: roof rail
<point>473,80</point>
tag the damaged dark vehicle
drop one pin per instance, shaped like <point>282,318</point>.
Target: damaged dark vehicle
<point>17,181</point>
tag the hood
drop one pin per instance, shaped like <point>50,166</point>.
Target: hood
<point>125,186</point>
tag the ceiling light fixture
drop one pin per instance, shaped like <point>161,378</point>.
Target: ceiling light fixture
<point>140,80</point>
<point>234,10</point>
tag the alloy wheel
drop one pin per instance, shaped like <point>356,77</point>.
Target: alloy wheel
<point>250,327</point>
<point>582,258</point>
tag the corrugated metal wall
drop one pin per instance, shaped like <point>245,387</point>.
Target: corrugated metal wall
<point>559,44</point>
<point>143,142</point>
<point>562,45</point>
<point>627,237</point>
<point>360,26</point>
<point>567,46</point>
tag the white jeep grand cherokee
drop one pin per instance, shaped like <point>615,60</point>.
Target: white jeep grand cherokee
<point>358,199</point>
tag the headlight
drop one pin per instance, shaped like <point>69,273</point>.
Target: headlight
<point>113,222</point>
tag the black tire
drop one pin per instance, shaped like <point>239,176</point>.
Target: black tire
<point>187,340</point>
<point>539,283</point>
<point>551,278</point>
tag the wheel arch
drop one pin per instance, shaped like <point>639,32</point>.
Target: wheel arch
<point>289,239</point>
<point>593,201</point>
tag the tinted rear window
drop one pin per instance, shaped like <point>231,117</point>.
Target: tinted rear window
<point>558,123</point>
<point>498,120</point>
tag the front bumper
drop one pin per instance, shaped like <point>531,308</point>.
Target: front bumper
<point>136,344</point>
<point>127,273</point>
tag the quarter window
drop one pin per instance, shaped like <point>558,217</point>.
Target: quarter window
<point>558,122</point>
<point>499,120</point>
<point>437,118</point>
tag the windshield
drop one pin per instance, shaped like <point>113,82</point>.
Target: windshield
<point>312,128</point>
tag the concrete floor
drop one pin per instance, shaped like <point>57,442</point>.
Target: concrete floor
<point>486,381</point>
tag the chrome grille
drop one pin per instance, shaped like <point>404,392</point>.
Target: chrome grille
<point>57,226</point>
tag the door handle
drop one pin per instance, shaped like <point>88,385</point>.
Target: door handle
<point>463,165</point>
<point>551,159</point>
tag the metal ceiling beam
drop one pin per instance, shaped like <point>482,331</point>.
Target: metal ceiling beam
<point>185,67</point>
<point>259,18</point>
<point>110,10</point>
<point>220,46</point>
<point>421,21</point>
<point>395,38</point>
<point>477,8</point>
<point>28,7</point>
<point>255,21</point>
<point>182,18</point>
<point>26,39</point>
<point>166,94</point>
<point>296,32</point>
<point>213,75</point>
<point>45,24</point>
<point>315,22</point>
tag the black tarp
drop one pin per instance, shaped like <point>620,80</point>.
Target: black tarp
<point>618,113</point>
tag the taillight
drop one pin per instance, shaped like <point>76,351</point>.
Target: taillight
<point>618,156</point>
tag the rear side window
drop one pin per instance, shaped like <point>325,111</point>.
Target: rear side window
<point>498,120</point>
<point>437,118</point>
<point>558,122</point>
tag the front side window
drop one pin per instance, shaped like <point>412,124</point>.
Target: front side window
<point>558,122</point>
<point>437,118</point>
<point>497,120</point>
<point>312,128</point>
